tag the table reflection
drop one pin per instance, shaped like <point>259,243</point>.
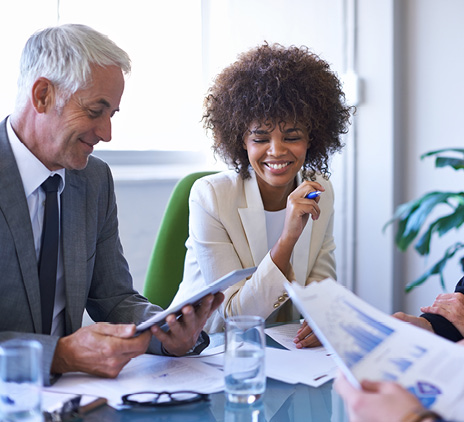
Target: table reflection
<point>281,403</point>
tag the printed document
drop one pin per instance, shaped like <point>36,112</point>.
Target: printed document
<point>369,344</point>
<point>145,373</point>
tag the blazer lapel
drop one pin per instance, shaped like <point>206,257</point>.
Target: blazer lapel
<point>254,221</point>
<point>13,206</point>
<point>301,254</point>
<point>73,201</point>
<point>301,250</point>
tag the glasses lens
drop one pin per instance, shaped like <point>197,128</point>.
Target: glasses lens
<point>140,398</point>
<point>184,396</point>
<point>146,398</point>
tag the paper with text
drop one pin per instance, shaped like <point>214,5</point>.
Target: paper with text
<point>146,373</point>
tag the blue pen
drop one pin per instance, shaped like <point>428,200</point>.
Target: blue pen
<point>313,194</point>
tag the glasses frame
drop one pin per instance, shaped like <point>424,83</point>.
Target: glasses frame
<point>172,401</point>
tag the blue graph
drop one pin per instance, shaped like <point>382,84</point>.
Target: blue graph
<point>366,337</point>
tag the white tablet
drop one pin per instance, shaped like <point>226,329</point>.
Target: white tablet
<point>219,285</point>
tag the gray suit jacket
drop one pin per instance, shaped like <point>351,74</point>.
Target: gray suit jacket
<point>96,272</point>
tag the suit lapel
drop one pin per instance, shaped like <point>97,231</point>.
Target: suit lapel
<point>13,206</point>
<point>254,221</point>
<point>73,223</point>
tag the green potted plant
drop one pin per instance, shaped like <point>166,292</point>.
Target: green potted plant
<point>413,218</point>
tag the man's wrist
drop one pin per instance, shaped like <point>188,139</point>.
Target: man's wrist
<point>422,415</point>
<point>58,363</point>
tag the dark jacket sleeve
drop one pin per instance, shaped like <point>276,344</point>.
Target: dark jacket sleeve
<point>441,325</point>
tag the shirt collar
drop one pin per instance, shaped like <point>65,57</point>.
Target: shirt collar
<point>33,172</point>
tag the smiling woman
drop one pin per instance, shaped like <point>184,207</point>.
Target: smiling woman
<point>276,115</point>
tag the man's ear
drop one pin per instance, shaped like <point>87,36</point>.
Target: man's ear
<point>43,95</point>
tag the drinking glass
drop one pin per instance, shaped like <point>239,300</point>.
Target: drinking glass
<point>21,381</point>
<point>245,378</point>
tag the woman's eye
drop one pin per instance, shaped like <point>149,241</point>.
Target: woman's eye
<point>260,141</point>
<point>292,139</point>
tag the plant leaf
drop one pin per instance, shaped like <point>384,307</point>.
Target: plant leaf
<point>437,268</point>
<point>420,209</point>
<point>439,151</point>
<point>456,163</point>
<point>441,225</point>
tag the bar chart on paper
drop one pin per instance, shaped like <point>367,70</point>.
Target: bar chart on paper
<point>361,334</point>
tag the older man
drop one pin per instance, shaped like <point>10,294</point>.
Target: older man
<point>70,86</point>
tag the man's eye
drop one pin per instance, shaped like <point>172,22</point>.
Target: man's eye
<point>94,113</point>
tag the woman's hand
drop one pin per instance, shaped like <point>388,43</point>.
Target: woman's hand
<point>297,214</point>
<point>299,209</point>
<point>305,337</point>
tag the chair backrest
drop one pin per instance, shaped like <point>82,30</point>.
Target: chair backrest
<point>166,266</point>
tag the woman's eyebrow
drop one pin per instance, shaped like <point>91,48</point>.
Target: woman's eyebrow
<point>259,132</point>
<point>292,130</point>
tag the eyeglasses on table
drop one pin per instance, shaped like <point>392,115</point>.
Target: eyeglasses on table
<point>162,399</point>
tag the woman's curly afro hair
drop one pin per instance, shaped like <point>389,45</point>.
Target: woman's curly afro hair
<point>272,84</point>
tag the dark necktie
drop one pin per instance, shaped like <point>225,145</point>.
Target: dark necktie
<point>49,252</point>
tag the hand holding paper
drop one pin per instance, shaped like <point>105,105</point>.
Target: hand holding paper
<point>368,344</point>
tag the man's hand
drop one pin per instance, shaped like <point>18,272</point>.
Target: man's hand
<point>417,321</point>
<point>305,337</point>
<point>100,349</point>
<point>449,306</point>
<point>184,332</point>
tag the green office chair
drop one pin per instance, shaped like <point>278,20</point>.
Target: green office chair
<point>166,267</point>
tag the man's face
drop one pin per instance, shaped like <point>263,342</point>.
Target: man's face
<point>68,135</point>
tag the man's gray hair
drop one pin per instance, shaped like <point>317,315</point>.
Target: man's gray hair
<point>64,55</point>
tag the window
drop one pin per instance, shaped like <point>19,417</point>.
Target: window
<point>176,47</point>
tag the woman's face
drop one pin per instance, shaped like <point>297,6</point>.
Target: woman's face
<point>276,153</point>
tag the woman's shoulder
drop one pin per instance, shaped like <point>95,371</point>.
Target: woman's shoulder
<point>220,180</point>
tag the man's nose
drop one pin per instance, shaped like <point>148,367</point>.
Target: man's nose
<point>103,130</point>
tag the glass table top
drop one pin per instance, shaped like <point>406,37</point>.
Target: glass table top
<point>282,402</point>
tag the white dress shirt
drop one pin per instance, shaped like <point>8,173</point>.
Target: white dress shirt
<point>33,174</point>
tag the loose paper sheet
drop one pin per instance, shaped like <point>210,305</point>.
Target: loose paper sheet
<point>146,373</point>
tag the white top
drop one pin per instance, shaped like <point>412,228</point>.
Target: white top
<point>33,174</point>
<point>274,225</point>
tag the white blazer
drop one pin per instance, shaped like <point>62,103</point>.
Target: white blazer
<point>227,231</point>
